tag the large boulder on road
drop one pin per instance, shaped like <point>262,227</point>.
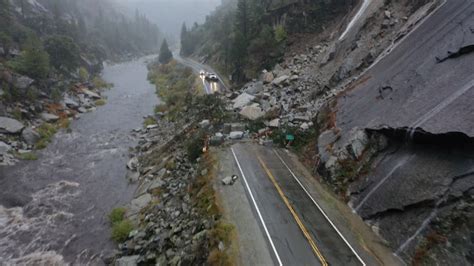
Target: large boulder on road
<point>252,112</point>
<point>10,126</point>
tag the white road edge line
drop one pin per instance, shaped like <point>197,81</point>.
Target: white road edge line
<point>320,209</point>
<point>256,207</point>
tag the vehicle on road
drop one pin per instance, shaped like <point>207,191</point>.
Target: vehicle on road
<point>202,73</point>
<point>212,77</point>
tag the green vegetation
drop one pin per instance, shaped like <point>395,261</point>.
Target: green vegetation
<point>46,132</point>
<point>117,215</point>
<point>165,53</point>
<point>63,52</point>
<point>121,230</point>
<point>100,102</point>
<point>33,61</point>
<point>121,227</point>
<point>195,145</point>
<point>27,156</point>
<point>149,121</point>
<point>173,85</point>
<point>83,74</point>
<point>99,83</point>
<point>242,39</point>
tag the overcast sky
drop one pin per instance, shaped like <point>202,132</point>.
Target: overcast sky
<point>170,14</point>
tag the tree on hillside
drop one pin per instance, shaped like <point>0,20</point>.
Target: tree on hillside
<point>33,62</point>
<point>63,52</point>
<point>5,15</point>
<point>165,53</point>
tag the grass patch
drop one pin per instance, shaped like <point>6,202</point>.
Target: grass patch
<point>46,132</point>
<point>117,215</point>
<point>121,227</point>
<point>149,121</point>
<point>100,102</point>
<point>121,230</point>
<point>27,156</point>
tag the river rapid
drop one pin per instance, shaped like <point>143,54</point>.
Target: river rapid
<point>54,210</point>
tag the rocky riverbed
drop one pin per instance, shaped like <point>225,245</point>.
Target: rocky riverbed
<point>54,209</point>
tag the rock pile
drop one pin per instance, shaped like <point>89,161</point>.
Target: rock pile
<point>19,121</point>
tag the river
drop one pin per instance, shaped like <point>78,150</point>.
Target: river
<point>54,210</point>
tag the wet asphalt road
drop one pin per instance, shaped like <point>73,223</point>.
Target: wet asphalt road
<point>292,247</point>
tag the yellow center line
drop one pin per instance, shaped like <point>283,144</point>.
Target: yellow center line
<point>295,216</point>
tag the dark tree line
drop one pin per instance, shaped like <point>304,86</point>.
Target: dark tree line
<point>58,36</point>
<point>244,36</point>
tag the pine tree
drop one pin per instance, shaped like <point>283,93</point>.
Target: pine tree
<point>165,53</point>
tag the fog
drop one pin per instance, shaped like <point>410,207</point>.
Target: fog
<point>169,15</point>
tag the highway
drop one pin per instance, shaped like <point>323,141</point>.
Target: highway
<point>210,86</point>
<point>297,230</point>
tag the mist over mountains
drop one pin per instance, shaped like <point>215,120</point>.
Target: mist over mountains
<point>170,14</point>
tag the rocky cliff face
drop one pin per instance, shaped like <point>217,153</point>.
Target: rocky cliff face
<point>395,139</point>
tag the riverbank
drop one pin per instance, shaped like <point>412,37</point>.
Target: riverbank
<point>54,209</point>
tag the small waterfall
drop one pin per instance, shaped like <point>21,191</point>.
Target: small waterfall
<point>400,163</point>
<point>359,13</point>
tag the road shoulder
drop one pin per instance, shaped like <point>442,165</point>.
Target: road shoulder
<point>368,245</point>
<point>253,248</point>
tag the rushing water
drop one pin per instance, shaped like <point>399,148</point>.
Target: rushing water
<point>55,209</point>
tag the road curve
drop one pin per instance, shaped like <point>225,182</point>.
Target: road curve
<point>197,67</point>
<point>298,231</point>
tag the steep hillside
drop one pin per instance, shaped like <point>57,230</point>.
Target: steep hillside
<point>51,55</point>
<point>242,37</point>
<point>382,115</point>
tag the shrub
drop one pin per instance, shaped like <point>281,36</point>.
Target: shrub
<point>194,146</point>
<point>280,33</point>
<point>100,102</point>
<point>46,132</point>
<point>63,52</point>
<point>121,230</point>
<point>28,156</point>
<point>33,62</point>
<point>99,83</point>
<point>83,74</point>
<point>149,121</point>
<point>117,215</point>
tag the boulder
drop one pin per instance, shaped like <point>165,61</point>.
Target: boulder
<point>47,117</point>
<point>252,112</point>
<point>280,80</point>
<point>71,103</point>
<point>358,142</point>
<point>275,123</point>
<point>127,261</point>
<point>139,203</point>
<point>243,100</point>
<point>204,123</point>
<point>237,127</point>
<point>216,140</point>
<point>133,163</point>
<point>4,148</point>
<point>326,138</point>
<point>268,77</point>
<point>82,110</point>
<point>91,94</point>
<point>30,136</point>
<point>254,87</point>
<point>236,135</point>
<point>10,126</point>
<point>22,82</point>
<point>304,126</point>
